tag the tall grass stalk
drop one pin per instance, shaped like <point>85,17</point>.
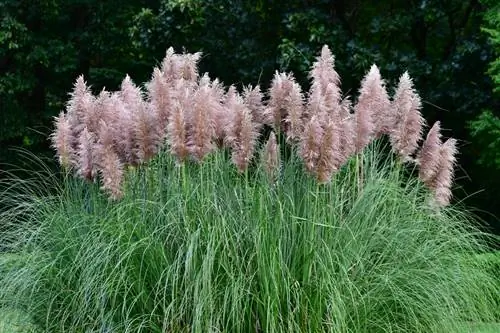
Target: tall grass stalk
<point>204,249</point>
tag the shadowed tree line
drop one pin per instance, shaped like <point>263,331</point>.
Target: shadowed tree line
<point>45,45</point>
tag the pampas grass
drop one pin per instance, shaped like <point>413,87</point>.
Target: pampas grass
<point>351,245</point>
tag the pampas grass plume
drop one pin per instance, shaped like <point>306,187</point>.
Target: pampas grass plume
<point>160,96</point>
<point>147,133</point>
<point>86,166</point>
<point>252,96</point>
<point>201,121</point>
<point>285,105</point>
<point>241,133</point>
<point>110,166</point>
<point>428,157</point>
<point>176,128</point>
<point>371,109</point>
<point>310,144</point>
<point>323,74</point>
<point>407,119</point>
<point>442,182</point>
<point>62,139</point>
<point>329,157</point>
<point>271,158</point>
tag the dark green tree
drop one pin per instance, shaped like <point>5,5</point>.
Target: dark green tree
<point>44,46</point>
<point>486,128</point>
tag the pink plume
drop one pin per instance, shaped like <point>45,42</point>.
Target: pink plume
<point>271,158</point>
<point>79,108</point>
<point>160,95</point>
<point>407,119</point>
<point>285,105</point>
<point>176,129</point>
<point>253,100</point>
<point>241,133</point>
<point>371,109</point>
<point>176,66</point>
<point>110,167</point>
<point>310,144</point>
<point>62,141</point>
<point>429,155</point>
<point>323,75</point>
<point>86,160</point>
<point>329,153</point>
<point>441,183</point>
<point>121,125</point>
<point>131,96</point>
<point>147,134</point>
<point>244,150</point>
<point>201,121</point>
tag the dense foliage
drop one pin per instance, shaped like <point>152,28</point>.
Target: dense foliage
<point>486,128</point>
<point>45,45</point>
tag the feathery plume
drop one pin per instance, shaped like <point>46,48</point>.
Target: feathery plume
<point>160,96</point>
<point>374,96</point>
<point>175,66</point>
<point>310,144</point>
<point>322,104</point>
<point>324,94</point>
<point>171,66</point>
<point>224,117</point>
<point>285,105</point>
<point>243,152</point>
<point>271,158</point>
<point>253,100</point>
<point>441,183</point>
<point>79,108</point>
<point>220,113</point>
<point>119,120</point>
<point>329,157</point>
<point>146,131</point>
<point>78,103</point>
<point>97,112</point>
<point>323,75</point>
<point>110,167</point>
<point>144,126</point>
<point>294,118</point>
<point>407,120</point>
<point>218,89</point>
<point>241,134</point>
<point>371,109</point>
<point>62,140</point>
<point>176,128</point>
<point>189,67</point>
<point>86,161</point>
<point>201,120</point>
<point>131,96</point>
<point>231,97</point>
<point>429,155</point>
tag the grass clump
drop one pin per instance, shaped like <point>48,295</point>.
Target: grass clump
<point>193,233</point>
<point>201,248</point>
